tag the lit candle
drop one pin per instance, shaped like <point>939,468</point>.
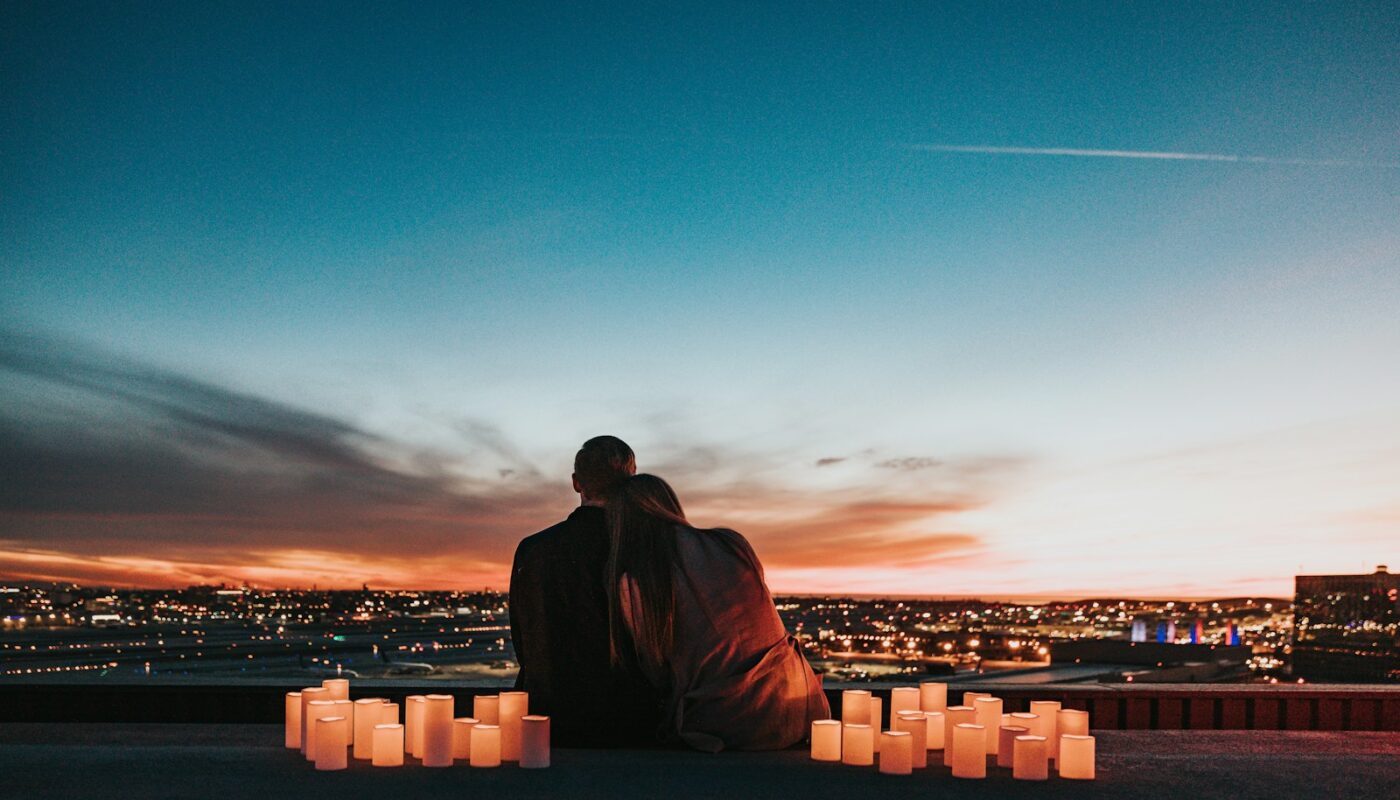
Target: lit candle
<point>857,745</point>
<point>915,724</point>
<point>1006,735</point>
<point>462,737</point>
<point>534,741</point>
<point>935,729</point>
<point>332,739</point>
<point>953,717</point>
<point>338,687</point>
<point>388,745</point>
<point>291,720</point>
<point>989,717</point>
<point>933,696</point>
<point>413,724</point>
<point>826,740</point>
<point>367,714</point>
<point>307,696</point>
<point>345,708</point>
<point>969,751</point>
<point>315,710</point>
<point>877,719</point>
<point>486,746</point>
<point>1029,759</point>
<point>1068,720</point>
<point>970,697</point>
<point>436,722</point>
<point>513,706</point>
<point>1024,720</point>
<point>389,714</point>
<point>896,748</point>
<point>1046,711</point>
<point>486,707</point>
<point>855,707</point>
<point>1076,760</point>
<point>903,698</point>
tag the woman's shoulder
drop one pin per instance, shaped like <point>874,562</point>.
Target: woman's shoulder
<point>724,538</point>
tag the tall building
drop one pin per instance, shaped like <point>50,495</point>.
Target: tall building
<point>1347,627</point>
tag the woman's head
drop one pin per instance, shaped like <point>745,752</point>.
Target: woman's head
<point>643,512</point>
<point>643,496</point>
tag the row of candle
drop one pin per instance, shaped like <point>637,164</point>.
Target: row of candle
<point>324,724</point>
<point>922,721</point>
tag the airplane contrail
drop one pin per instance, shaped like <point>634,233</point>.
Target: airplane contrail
<point>1148,154</point>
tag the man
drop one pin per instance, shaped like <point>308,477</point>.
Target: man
<point>559,617</point>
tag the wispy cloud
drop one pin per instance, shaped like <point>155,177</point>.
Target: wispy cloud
<point>1155,155</point>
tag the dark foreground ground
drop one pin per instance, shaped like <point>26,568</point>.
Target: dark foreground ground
<point>136,761</point>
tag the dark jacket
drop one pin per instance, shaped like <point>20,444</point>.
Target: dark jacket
<point>559,625</point>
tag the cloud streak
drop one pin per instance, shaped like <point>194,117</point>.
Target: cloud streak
<point>1150,155</point>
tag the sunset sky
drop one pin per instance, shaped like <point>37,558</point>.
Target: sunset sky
<point>1000,299</point>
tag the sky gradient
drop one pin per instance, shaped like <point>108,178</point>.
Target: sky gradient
<point>1000,299</point>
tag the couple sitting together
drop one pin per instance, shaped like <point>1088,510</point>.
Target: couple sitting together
<point>632,626</point>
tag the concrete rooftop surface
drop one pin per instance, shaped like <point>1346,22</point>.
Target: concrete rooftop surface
<point>76,761</point>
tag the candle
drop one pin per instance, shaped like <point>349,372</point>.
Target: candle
<point>345,708</point>
<point>903,698</point>
<point>413,724</point>
<point>877,719</point>
<point>1006,735</point>
<point>969,698</point>
<point>1046,710</point>
<point>857,745</point>
<point>895,750</point>
<point>989,717</point>
<point>307,696</point>
<point>389,714</point>
<point>1076,760</point>
<point>1029,757</point>
<point>291,720</point>
<point>1068,720</point>
<point>513,706</point>
<point>315,710</point>
<point>933,696</point>
<point>462,737</point>
<point>388,745</point>
<point>855,707</point>
<point>332,738</point>
<point>486,746</point>
<point>339,688</point>
<point>915,724</point>
<point>935,729</point>
<point>436,722</point>
<point>1024,720</point>
<point>367,715</point>
<point>953,717</point>
<point>486,707</point>
<point>826,740</point>
<point>969,751</point>
<point>534,741</point>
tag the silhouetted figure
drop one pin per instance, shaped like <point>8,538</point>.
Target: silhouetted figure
<point>559,618</point>
<point>692,608</point>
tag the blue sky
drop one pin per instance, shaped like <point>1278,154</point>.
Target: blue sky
<point>467,237</point>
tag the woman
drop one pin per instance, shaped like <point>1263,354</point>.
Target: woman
<point>691,608</point>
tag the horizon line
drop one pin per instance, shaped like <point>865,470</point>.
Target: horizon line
<point>1152,155</point>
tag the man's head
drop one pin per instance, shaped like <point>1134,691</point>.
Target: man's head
<point>601,464</point>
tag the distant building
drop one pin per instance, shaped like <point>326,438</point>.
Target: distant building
<point>1347,627</point>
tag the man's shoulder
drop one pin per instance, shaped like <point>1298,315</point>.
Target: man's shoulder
<point>582,520</point>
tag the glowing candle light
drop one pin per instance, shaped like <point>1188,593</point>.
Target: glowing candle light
<point>487,708</point>
<point>915,724</point>
<point>462,737</point>
<point>855,707</point>
<point>1068,720</point>
<point>1006,735</point>
<point>935,729</point>
<point>315,710</point>
<point>1030,758</point>
<point>486,746</point>
<point>513,706</point>
<point>857,745</point>
<point>308,695</point>
<point>896,748</point>
<point>933,696</point>
<point>952,718</point>
<point>877,719</point>
<point>339,688</point>
<point>1076,761</point>
<point>413,724</point>
<point>436,722</point>
<point>903,698</point>
<point>332,739</point>
<point>291,720</point>
<point>826,740</point>
<point>368,712</point>
<point>969,751</point>
<point>534,741</point>
<point>989,717</point>
<point>388,745</point>
<point>1046,711</point>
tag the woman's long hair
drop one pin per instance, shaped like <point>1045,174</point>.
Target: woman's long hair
<point>643,514</point>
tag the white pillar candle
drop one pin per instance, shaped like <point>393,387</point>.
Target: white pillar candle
<point>915,724</point>
<point>970,697</point>
<point>989,717</point>
<point>308,695</point>
<point>389,714</point>
<point>1068,720</point>
<point>935,729</point>
<point>486,746</point>
<point>1023,719</point>
<point>952,718</point>
<point>877,719</point>
<point>486,707</point>
<point>338,687</point>
<point>826,740</point>
<point>1046,711</point>
<point>969,751</point>
<point>462,737</point>
<point>896,748</point>
<point>332,739</point>
<point>1029,759</point>
<point>855,707</point>
<point>933,696</point>
<point>513,706</point>
<point>436,722</point>
<point>345,708</point>
<point>534,741</point>
<point>368,712</point>
<point>1006,736</point>
<point>388,745</point>
<point>857,745</point>
<point>1076,760</point>
<point>315,710</point>
<point>413,724</point>
<point>903,698</point>
<point>291,720</point>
